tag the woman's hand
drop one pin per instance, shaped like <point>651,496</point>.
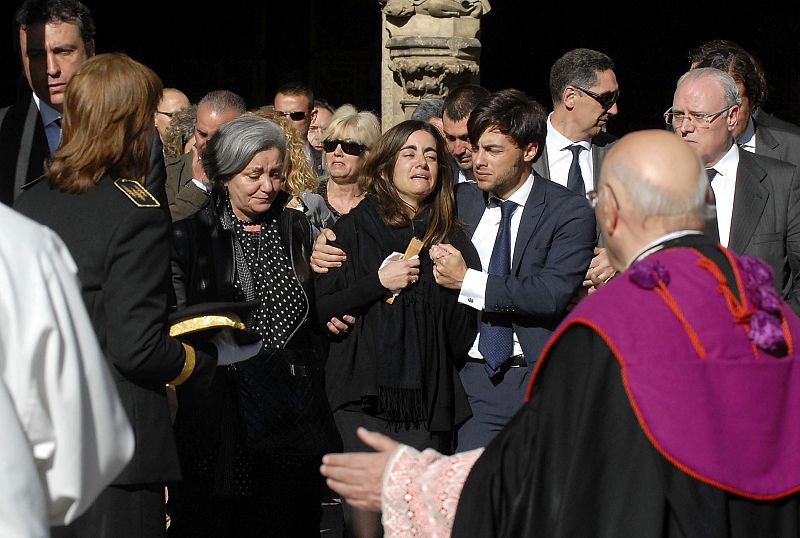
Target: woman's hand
<point>398,274</point>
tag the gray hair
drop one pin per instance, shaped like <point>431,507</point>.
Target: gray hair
<point>651,201</point>
<point>233,146</point>
<point>347,123</point>
<point>220,100</point>
<point>730,93</point>
<point>427,109</point>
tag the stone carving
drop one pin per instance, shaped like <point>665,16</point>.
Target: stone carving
<point>435,8</point>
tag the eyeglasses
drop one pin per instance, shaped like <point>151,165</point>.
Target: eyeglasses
<point>606,99</point>
<point>348,146</point>
<point>594,196</point>
<point>294,116</point>
<point>167,114</point>
<point>698,119</point>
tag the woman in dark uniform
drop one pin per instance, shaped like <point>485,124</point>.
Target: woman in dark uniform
<point>92,195</point>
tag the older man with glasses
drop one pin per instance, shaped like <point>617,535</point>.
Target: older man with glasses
<point>584,90</point>
<point>756,197</point>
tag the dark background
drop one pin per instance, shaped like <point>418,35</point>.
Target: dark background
<point>251,47</point>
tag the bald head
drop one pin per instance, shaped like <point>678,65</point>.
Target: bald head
<point>660,187</point>
<point>172,100</point>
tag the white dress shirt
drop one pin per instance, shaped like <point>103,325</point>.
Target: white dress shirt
<point>50,117</point>
<point>473,289</point>
<point>559,158</point>
<point>724,187</point>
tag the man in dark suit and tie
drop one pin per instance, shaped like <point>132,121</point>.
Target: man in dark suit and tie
<point>757,197</point>
<point>756,131</point>
<point>584,91</point>
<point>54,38</point>
<point>53,41</point>
<point>535,239</point>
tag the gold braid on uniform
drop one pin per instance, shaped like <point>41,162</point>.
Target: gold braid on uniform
<point>188,366</point>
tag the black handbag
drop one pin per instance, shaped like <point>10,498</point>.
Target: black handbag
<point>282,406</point>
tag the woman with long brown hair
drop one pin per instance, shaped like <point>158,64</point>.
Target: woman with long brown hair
<point>394,372</point>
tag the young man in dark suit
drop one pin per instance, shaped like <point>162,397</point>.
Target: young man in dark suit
<point>757,198</point>
<point>54,40</point>
<point>535,239</point>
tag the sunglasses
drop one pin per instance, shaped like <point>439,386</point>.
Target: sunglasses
<point>606,99</point>
<point>348,146</point>
<point>167,114</point>
<point>294,116</point>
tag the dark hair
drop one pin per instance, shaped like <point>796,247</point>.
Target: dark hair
<point>741,65</point>
<point>578,67</point>
<point>322,103</point>
<point>297,88</point>
<point>377,179</point>
<point>512,113</point>
<point>33,12</point>
<point>458,104</point>
<point>427,109</point>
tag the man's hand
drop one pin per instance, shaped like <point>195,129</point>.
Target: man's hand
<point>449,266</point>
<point>398,273</point>
<point>358,476</point>
<point>339,326</point>
<point>600,270</point>
<point>197,167</point>
<point>324,255</point>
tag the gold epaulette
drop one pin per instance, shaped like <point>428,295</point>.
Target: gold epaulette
<point>207,321</point>
<point>136,193</point>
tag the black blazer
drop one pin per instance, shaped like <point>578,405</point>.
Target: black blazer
<point>766,219</point>
<point>23,147</point>
<point>777,143</point>
<point>554,246</point>
<point>123,253</point>
<point>600,146</point>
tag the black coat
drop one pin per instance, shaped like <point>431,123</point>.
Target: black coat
<point>122,253</point>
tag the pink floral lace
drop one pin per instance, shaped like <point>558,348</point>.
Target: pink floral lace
<point>421,491</point>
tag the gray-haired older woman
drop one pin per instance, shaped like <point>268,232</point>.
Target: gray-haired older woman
<point>250,449</point>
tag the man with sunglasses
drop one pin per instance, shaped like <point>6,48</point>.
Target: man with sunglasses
<point>172,100</point>
<point>295,101</point>
<point>757,198</point>
<point>584,90</point>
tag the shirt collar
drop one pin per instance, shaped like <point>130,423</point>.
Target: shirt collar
<point>748,137</point>
<point>48,113</point>
<point>557,141</point>
<point>520,196</point>
<point>727,165</point>
<point>658,244</point>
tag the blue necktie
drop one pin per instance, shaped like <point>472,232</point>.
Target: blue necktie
<point>496,341</point>
<point>575,181</point>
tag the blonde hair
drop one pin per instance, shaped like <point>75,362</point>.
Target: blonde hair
<point>299,174</point>
<point>108,123</point>
<point>347,123</point>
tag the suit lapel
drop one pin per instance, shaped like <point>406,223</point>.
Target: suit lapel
<point>749,200</point>
<point>471,207</point>
<point>766,143</point>
<point>542,165</point>
<point>531,214</point>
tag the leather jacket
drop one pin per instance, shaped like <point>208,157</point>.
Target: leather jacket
<point>203,266</point>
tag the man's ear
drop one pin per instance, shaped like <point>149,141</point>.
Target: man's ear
<point>529,152</point>
<point>733,117</point>
<point>568,96</point>
<point>89,46</point>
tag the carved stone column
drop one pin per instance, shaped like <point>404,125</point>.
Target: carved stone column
<point>430,46</point>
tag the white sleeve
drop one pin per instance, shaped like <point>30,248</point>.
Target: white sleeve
<point>69,405</point>
<point>23,507</point>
